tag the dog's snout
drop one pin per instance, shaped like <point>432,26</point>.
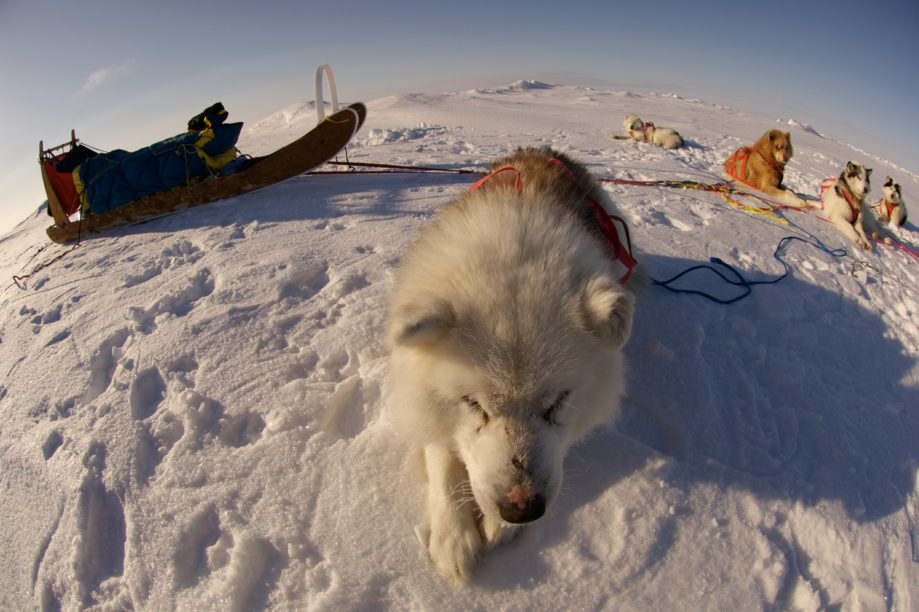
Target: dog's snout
<point>523,504</point>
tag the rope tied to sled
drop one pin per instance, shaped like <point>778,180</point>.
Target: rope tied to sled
<point>18,279</point>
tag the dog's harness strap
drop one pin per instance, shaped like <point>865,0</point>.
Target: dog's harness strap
<point>730,165</point>
<point>482,180</point>
<point>769,161</point>
<point>644,131</point>
<point>855,211</point>
<point>826,184</point>
<point>832,182</point>
<point>731,170</point>
<point>621,251</point>
<point>890,206</point>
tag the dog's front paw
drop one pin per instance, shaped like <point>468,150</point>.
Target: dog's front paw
<point>454,547</point>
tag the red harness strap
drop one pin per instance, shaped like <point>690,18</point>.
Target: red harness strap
<point>622,251</point>
<point>644,131</point>
<point>479,182</point>
<point>890,206</point>
<point>743,153</point>
<point>730,165</point>
<point>831,183</point>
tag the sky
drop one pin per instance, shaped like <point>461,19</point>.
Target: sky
<point>125,74</point>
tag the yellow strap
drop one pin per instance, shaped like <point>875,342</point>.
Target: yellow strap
<point>81,189</point>
<point>724,190</point>
<point>768,211</point>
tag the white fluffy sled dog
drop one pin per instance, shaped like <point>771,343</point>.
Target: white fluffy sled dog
<point>844,204</point>
<point>506,321</point>
<point>647,132</point>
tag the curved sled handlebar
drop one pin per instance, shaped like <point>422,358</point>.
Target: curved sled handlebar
<point>320,103</point>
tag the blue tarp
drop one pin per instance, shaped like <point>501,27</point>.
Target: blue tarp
<point>112,179</point>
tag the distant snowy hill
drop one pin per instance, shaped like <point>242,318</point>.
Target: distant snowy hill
<point>193,409</point>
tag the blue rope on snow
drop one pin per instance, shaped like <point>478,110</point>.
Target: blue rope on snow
<point>739,280</point>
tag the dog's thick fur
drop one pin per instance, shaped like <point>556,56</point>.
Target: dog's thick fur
<point>891,209</point>
<point>642,132</point>
<point>506,321</point>
<point>844,204</point>
<point>765,167</point>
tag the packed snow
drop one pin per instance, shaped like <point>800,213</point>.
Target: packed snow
<point>193,410</point>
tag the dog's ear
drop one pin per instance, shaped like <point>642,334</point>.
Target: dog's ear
<point>608,310</point>
<point>851,168</point>
<point>868,172</point>
<point>420,325</point>
<point>888,182</point>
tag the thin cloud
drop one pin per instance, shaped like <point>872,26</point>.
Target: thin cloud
<point>108,73</point>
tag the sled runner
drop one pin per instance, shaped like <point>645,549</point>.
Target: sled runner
<point>67,191</point>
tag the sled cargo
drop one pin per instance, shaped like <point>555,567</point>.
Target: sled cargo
<point>67,193</point>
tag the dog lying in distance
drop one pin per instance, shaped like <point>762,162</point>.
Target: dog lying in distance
<point>647,132</point>
<point>506,321</point>
<point>891,210</point>
<point>762,166</point>
<point>844,204</point>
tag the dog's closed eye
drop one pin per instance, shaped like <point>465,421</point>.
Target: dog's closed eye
<point>550,415</point>
<point>477,408</point>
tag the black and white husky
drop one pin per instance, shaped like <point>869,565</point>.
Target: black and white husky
<point>891,209</point>
<point>844,204</point>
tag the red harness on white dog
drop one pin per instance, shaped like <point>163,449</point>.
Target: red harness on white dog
<point>831,183</point>
<point>622,250</point>
<point>890,206</point>
<point>644,131</point>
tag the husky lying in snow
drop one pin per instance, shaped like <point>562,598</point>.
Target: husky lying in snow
<point>844,204</point>
<point>891,209</point>
<point>506,320</point>
<point>647,132</point>
<point>762,166</point>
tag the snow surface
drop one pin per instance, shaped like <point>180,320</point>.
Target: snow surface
<point>193,414</point>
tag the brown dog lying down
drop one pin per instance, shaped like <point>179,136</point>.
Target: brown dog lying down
<point>762,166</point>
